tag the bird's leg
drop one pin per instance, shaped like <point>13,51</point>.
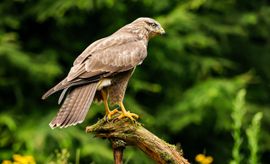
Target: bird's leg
<point>126,113</point>
<point>107,109</point>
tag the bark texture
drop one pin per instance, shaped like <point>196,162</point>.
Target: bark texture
<point>126,132</point>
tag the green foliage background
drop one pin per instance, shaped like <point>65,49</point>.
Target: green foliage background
<point>184,91</point>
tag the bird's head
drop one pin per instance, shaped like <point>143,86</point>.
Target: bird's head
<point>151,25</point>
<point>145,27</point>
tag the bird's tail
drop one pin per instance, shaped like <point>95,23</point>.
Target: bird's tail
<point>75,106</point>
<point>62,85</point>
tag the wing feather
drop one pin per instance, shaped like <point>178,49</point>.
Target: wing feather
<point>117,53</point>
<point>117,59</point>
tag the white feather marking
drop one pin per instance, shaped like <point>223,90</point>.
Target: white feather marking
<point>104,83</point>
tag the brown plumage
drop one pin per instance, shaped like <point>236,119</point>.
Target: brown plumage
<point>102,71</point>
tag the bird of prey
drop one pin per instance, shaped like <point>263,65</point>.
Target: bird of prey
<point>102,72</point>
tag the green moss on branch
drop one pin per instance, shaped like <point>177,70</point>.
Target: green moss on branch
<point>133,133</point>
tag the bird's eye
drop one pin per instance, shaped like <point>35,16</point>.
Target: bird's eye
<point>153,25</point>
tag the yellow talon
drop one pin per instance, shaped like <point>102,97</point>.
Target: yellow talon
<point>110,113</point>
<point>131,116</point>
<point>128,114</point>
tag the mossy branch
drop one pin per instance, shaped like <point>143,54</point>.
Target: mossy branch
<point>126,132</point>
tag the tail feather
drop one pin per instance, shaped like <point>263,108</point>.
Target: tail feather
<point>62,85</point>
<point>72,105</point>
<point>63,111</point>
<point>89,100</point>
<point>65,85</point>
<point>84,103</point>
<point>75,106</point>
<point>79,104</point>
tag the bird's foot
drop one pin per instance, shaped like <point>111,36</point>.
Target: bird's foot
<point>110,113</point>
<point>129,115</point>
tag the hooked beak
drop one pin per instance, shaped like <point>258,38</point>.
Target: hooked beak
<point>161,31</point>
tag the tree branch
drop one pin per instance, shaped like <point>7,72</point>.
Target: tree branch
<point>133,133</point>
<point>118,148</point>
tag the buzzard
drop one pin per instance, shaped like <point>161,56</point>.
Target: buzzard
<point>102,72</point>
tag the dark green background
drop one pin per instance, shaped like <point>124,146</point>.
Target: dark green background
<point>183,91</point>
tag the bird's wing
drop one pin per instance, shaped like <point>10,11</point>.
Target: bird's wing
<point>113,54</point>
<point>115,39</point>
<point>115,59</point>
<point>120,54</point>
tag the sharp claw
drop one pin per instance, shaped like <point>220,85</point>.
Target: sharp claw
<point>129,115</point>
<point>109,115</point>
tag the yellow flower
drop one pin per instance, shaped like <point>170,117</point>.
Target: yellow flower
<point>199,157</point>
<point>202,159</point>
<point>29,158</point>
<point>208,160</point>
<point>19,159</point>
<point>6,162</point>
